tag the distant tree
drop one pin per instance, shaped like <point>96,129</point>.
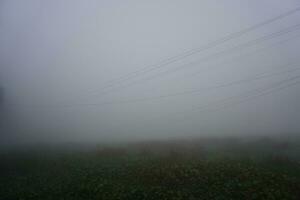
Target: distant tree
<point>1,99</point>
<point>1,109</point>
<point>1,96</point>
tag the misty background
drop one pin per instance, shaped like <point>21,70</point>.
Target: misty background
<point>59,62</point>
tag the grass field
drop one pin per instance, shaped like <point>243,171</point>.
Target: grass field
<point>154,170</point>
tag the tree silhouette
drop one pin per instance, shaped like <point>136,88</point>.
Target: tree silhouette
<point>1,100</point>
<point>1,97</point>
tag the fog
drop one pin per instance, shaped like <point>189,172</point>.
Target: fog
<point>102,71</point>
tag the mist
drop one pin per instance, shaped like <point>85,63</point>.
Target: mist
<point>110,71</point>
<point>143,100</point>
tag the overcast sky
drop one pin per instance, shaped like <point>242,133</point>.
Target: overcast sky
<point>59,58</point>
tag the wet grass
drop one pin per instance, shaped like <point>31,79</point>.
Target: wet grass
<point>117,174</point>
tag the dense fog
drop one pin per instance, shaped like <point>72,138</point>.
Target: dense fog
<point>104,71</point>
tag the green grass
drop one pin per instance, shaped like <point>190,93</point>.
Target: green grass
<point>130,176</point>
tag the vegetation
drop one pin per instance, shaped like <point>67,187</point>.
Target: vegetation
<point>145,173</point>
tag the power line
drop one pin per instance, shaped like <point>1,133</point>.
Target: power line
<point>200,49</point>
<point>213,56</point>
<point>255,51</point>
<point>235,100</point>
<point>213,87</point>
<point>189,92</point>
<point>199,91</point>
<point>284,31</point>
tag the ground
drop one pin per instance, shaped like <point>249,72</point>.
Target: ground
<point>120,173</point>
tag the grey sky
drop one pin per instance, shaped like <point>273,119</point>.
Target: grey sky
<point>57,53</point>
